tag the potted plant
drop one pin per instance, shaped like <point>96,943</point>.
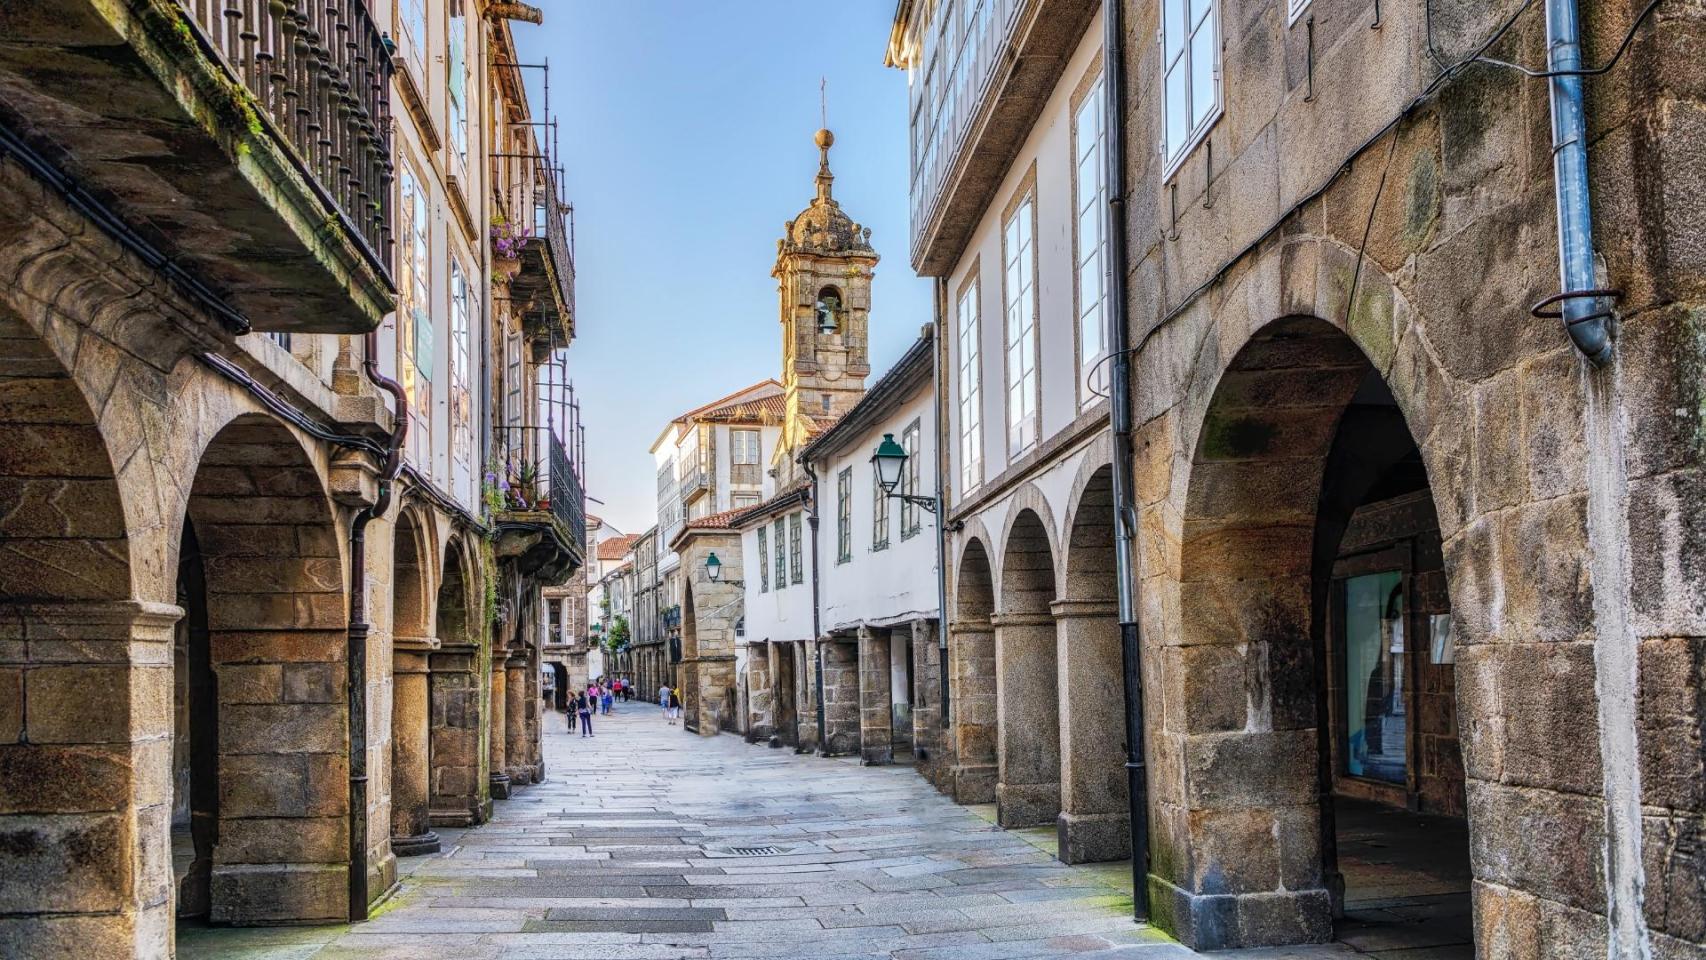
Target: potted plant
<point>507,241</point>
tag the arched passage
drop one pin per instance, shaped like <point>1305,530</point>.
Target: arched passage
<point>454,698</point>
<point>972,647</point>
<point>1316,714</point>
<point>411,695</point>
<point>275,615</point>
<point>83,732</point>
<point>1027,687</point>
<point>1095,823</point>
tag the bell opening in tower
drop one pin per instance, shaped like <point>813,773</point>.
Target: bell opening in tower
<point>829,310</point>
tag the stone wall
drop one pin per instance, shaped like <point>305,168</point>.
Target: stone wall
<point>1566,495</point>
<point>120,453</point>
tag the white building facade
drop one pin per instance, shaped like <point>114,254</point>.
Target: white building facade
<point>1010,217</point>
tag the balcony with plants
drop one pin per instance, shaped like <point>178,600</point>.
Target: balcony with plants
<point>245,145</point>
<point>536,504</point>
<point>532,239</point>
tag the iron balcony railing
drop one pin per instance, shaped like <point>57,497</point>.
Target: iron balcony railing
<point>553,217</point>
<point>319,78</point>
<point>539,477</point>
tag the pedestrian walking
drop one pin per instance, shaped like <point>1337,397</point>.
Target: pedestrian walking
<point>663,698</point>
<point>674,710</point>
<point>583,706</point>
<point>605,700</point>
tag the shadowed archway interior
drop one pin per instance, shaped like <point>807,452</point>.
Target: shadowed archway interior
<point>1095,823</point>
<point>1311,577</point>
<point>972,647</point>
<point>1027,679</point>
<point>275,614</point>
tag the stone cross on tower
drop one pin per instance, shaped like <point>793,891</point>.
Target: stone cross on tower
<point>824,265</point>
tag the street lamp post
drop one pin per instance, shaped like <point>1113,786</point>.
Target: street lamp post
<point>890,460</point>
<point>714,571</point>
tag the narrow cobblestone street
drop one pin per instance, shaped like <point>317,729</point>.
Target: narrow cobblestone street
<point>629,850</point>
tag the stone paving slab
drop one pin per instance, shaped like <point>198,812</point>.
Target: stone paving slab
<point>631,859</point>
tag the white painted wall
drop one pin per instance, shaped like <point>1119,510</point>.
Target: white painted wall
<point>777,615</point>
<point>885,586</point>
<point>1050,147</point>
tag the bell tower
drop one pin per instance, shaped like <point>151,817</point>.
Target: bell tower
<point>824,265</point>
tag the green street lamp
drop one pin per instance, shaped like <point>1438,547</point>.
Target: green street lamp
<point>890,461</point>
<point>714,571</point>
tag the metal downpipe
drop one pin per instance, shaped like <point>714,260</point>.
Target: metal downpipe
<point>356,647</point>
<point>939,386</point>
<point>1119,414</point>
<point>1581,304</point>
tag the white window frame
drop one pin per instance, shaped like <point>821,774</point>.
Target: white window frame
<point>764,558</point>
<point>911,514</point>
<point>970,329</point>
<point>461,372</point>
<point>1019,305</point>
<point>1090,203</point>
<point>844,516</point>
<point>1173,154</point>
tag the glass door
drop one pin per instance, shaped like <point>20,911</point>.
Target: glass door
<point>1375,722</point>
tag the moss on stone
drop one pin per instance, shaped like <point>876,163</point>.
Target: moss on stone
<point>1235,437</point>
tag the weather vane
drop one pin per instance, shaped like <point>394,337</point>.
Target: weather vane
<point>823,101</point>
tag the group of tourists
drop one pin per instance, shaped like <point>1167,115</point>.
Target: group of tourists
<point>598,698</point>
<point>669,698</point>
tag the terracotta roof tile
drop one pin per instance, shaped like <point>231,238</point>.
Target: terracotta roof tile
<point>727,401</point>
<point>716,521</point>
<point>759,410</point>
<point>617,547</point>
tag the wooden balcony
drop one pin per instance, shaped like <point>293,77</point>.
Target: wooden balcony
<point>247,142</point>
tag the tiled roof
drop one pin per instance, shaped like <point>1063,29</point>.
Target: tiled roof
<point>784,497</point>
<point>727,401</point>
<point>759,410</point>
<point>617,547</point>
<point>717,521</point>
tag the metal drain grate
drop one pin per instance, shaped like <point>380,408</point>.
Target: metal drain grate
<point>756,851</point>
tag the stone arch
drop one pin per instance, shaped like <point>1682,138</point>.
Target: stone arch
<point>972,648</point>
<point>276,615</point>
<point>1027,498</point>
<point>689,622</point>
<point>1095,823</point>
<point>1027,671</point>
<point>1299,430</point>
<point>455,683</point>
<point>80,766</point>
<point>412,644</point>
<point>412,571</point>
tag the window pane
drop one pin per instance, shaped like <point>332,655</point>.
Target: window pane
<point>1177,110</point>
<point>1202,74</point>
<point>1173,29</point>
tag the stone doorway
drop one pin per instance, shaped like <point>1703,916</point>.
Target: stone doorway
<point>783,686</point>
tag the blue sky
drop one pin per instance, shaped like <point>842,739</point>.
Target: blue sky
<point>687,136</point>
